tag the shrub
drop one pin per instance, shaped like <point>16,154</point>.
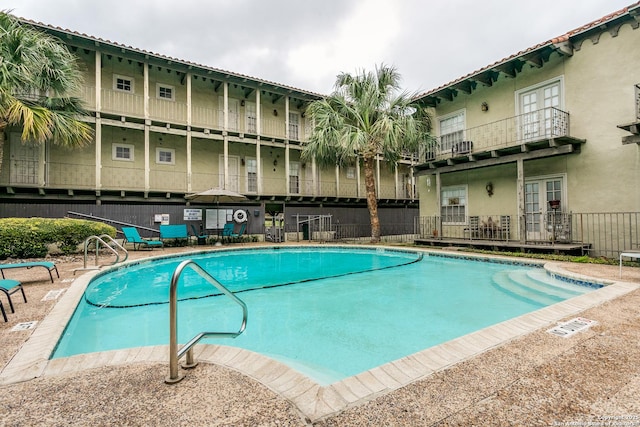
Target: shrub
<point>30,237</point>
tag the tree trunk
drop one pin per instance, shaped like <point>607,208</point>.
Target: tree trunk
<point>372,201</point>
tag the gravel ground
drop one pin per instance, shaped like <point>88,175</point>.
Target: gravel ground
<point>591,378</point>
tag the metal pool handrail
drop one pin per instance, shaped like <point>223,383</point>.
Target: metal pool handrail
<point>174,353</point>
<point>98,240</point>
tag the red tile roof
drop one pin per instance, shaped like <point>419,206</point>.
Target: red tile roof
<point>555,40</point>
<point>167,58</point>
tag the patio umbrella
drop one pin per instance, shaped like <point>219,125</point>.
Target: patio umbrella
<point>215,195</point>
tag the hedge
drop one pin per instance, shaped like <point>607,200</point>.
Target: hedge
<point>31,237</point>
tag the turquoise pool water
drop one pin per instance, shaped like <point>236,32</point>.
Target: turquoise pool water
<point>327,312</point>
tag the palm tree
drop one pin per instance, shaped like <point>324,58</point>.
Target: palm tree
<point>367,115</point>
<point>37,76</point>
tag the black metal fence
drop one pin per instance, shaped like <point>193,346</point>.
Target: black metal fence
<point>603,234</point>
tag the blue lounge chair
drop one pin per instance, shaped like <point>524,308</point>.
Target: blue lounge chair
<point>202,238</point>
<point>131,235</point>
<point>9,287</point>
<point>50,266</point>
<point>240,232</point>
<point>227,231</point>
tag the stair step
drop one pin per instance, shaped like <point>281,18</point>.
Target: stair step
<point>535,286</point>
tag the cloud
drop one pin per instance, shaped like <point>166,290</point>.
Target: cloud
<point>305,44</point>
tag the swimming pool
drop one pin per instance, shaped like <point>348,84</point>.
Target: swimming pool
<point>328,312</point>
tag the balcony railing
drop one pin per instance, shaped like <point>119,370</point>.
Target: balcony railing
<point>65,175</point>
<point>602,234</point>
<point>538,125</point>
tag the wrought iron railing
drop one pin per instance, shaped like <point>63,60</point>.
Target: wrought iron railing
<point>603,234</point>
<point>537,125</point>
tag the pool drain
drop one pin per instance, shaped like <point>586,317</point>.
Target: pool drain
<point>571,327</point>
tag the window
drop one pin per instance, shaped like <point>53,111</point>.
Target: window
<point>123,83</point>
<point>164,92</point>
<point>351,172</point>
<point>294,177</point>
<point>122,152</point>
<point>451,130</point>
<point>251,117</point>
<point>294,126</point>
<point>454,205</point>
<point>637,101</point>
<point>538,107</point>
<point>252,175</point>
<point>165,156</point>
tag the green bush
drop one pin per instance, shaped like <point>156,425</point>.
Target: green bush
<point>31,237</point>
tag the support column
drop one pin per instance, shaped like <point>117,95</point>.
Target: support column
<point>314,173</point>
<point>337,181</point>
<point>438,195</point>
<point>395,178</point>
<point>358,183</point>
<point>258,146</point>
<point>378,176</point>
<point>287,178</point>
<point>189,119</point>
<point>225,134</point>
<point>98,130</point>
<point>522,225</point>
<point>147,127</point>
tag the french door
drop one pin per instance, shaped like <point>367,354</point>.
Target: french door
<point>537,118</point>
<point>538,193</point>
<point>25,161</point>
<point>233,183</point>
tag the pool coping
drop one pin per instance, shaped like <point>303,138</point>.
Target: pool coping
<point>314,401</point>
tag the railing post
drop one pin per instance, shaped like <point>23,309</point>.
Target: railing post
<point>174,375</point>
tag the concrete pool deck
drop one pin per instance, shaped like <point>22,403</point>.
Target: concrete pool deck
<point>475,377</point>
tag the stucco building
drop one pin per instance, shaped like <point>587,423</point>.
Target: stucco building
<point>532,147</point>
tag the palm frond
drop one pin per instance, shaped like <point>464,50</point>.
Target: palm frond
<point>37,74</point>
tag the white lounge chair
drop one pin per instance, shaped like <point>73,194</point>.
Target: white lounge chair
<point>634,254</point>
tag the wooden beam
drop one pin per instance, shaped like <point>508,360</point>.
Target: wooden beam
<point>487,78</point>
<point>565,48</point>
<point>631,139</point>
<point>510,158</point>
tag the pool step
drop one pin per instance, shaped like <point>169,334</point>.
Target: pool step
<point>539,279</point>
<point>535,288</point>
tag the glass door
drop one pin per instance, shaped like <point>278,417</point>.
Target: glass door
<point>537,112</point>
<point>543,207</point>
<point>25,161</point>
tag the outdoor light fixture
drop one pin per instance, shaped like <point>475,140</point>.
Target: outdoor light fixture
<point>489,188</point>
<point>242,103</point>
<point>275,113</point>
<point>484,106</point>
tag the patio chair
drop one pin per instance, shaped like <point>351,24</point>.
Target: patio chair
<point>243,227</point>
<point>49,265</point>
<point>228,229</point>
<point>505,227</point>
<point>474,227</point>
<point>202,238</point>
<point>131,235</point>
<point>10,287</point>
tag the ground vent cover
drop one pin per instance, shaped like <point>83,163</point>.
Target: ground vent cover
<point>566,329</point>
<point>53,295</point>
<point>24,326</point>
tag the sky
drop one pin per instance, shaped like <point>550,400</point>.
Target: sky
<point>306,44</point>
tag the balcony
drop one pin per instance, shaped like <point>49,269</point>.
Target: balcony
<point>541,133</point>
<point>119,103</point>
